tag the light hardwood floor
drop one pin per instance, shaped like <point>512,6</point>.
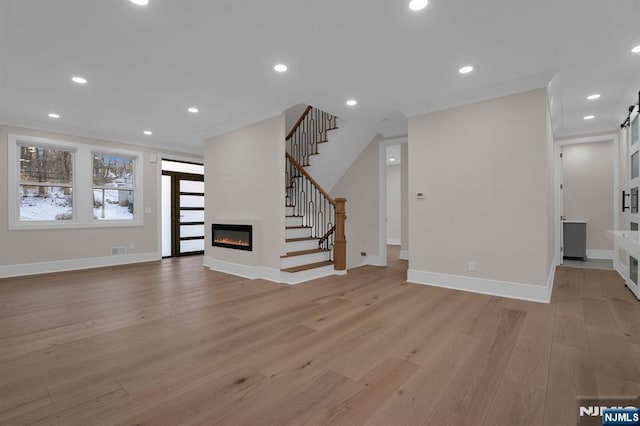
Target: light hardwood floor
<point>172,342</point>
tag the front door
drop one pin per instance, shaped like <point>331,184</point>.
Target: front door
<point>186,194</point>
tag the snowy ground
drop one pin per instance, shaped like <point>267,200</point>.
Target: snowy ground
<point>57,206</point>
<point>44,208</point>
<point>112,209</point>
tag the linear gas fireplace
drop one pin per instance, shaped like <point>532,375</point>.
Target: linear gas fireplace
<point>239,237</point>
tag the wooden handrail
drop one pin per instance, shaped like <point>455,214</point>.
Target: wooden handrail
<point>295,127</point>
<point>312,180</point>
<point>326,236</point>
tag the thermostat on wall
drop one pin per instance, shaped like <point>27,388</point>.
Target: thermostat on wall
<point>419,194</point>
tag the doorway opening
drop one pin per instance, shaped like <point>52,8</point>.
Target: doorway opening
<point>183,232</point>
<point>394,195</point>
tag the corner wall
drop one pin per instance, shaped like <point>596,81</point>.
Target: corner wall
<point>359,185</point>
<point>486,171</point>
<point>244,184</point>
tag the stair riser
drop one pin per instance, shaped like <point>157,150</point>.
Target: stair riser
<point>289,262</point>
<point>298,233</point>
<point>293,221</point>
<point>302,245</point>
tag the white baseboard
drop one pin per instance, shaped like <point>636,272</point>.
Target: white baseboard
<point>404,254</point>
<point>394,241</point>
<point>532,293</point>
<point>269,274</point>
<point>600,254</point>
<point>623,270</point>
<point>75,264</point>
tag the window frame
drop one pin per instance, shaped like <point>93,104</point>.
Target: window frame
<point>82,185</point>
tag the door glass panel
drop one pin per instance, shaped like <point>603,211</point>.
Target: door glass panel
<point>634,226</point>
<point>191,201</point>
<point>634,130</point>
<point>191,215</point>
<point>634,200</point>
<point>191,231</point>
<point>191,245</point>
<point>633,269</point>
<point>191,186</point>
<point>635,166</point>
<point>177,166</point>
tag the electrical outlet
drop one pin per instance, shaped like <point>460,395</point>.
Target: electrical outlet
<point>471,266</point>
<point>363,253</point>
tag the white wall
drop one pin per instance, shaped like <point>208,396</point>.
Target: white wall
<point>244,184</point>
<point>359,185</point>
<point>587,170</point>
<point>34,251</point>
<point>394,204</point>
<point>404,200</point>
<point>486,170</point>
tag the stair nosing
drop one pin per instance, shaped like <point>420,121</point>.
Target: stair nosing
<point>308,266</point>
<point>303,253</point>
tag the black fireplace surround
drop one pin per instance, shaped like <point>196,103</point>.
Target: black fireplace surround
<point>239,237</point>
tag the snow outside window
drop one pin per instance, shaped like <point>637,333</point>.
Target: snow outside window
<point>55,184</point>
<point>113,185</point>
<point>46,184</point>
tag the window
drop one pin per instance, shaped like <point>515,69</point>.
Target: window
<point>46,184</point>
<point>59,184</point>
<point>113,186</point>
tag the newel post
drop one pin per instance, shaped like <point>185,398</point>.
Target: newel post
<point>340,244</point>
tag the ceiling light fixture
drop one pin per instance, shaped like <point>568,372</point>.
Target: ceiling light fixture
<point>193,110</point>
<point>280,67</point>
<point>466,69</point>
<point>352,102</point>
<point>589,117</point>
<point>148,132</point>
<point>593,97</point>
<point>79,80</point>
<point>392,159</point>
<point>53,115</point>
<point>636,49</point>
<point>416,5</point>
<point>140,2</point>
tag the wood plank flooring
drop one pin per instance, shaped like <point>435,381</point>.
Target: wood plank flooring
<point>171,342</point>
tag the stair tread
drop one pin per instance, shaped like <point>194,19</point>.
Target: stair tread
<point>293,215</point>
<point>303,252</point>
<point>294,240</point>
<point>308,266</point>
<point>298,227</point>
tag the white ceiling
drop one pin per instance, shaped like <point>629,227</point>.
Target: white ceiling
<point>146,65</point>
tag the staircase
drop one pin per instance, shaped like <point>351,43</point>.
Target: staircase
<point>314,220</point>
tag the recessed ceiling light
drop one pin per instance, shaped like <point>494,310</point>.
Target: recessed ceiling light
<point>636,49</point>
<point>352,102</point>
<point>280,67</point>
<point>392,159</point>
<point>418,4</point>
<point>593,97</point>
<point>79,80</point>
<point>148,132</point>
<point>193,110</point>
<point>589,117</point>
<point>140,2</point>
<point>53,115</point>
<point>466,69</point>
